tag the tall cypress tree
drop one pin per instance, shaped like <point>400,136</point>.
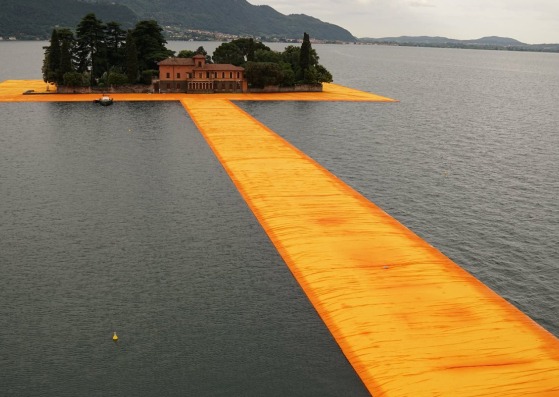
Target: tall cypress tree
<point>51,63</point>
<point>65,61</point>
<point>305,59</point>
<point>131,59</point>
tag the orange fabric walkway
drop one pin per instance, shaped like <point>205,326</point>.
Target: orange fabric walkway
<point>410,321</point>
<point>12,91</point>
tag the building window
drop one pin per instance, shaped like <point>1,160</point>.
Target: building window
<point>168,75</point>
<point>230,75</point>
<point>178,75</point>
<point>200,75</point>
<point>207,75</point>
<point>199,64</point>
<point>168,86</point>
<point>238,75</point>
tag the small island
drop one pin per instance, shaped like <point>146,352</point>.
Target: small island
<point>99,57</point>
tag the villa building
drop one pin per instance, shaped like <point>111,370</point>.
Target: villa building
<point>194,75</point>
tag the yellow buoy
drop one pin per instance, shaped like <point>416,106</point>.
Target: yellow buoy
<point>115,337</point>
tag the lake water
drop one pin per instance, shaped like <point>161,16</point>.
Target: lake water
<point>121,219</point>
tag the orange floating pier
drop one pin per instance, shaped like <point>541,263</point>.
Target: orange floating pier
<point>409,320</point>
<point>12,91</point>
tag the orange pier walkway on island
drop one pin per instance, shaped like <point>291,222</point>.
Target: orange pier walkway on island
<point>12,91</point>
<point>410,321</point>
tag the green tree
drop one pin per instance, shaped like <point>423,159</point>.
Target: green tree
<point>228,53</point>
<point>264,67</point>
<point>189,54</point>
<point>150,44</point>
<point>67,49</point>
<point>76,79</point>
<point>288,74</point>
<point>91,51</point>
<point>267,56</point>
<point>248,47</point>
<point>132,68</point>
<point>323,75</point>
<point>115,39</point>
<point>201,50</point>
<point>116,78</point>
<point>291,55</point>
<point>148,75</point>
<point>186,54</point>
<point>305,61</point>
<point>262,74</point>
<point>58,56</point>
<point>65,60</point>
<point>51,62</point>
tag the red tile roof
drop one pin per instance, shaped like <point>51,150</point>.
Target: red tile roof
<point>221,67</point>
<point>177,62</point>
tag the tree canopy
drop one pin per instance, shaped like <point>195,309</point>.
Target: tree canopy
<point>199,51</point>
<point>150,44</point>
<point>229,53</point>
<point>103,53</point>
<point>295,65</point>
<point>90,48</point>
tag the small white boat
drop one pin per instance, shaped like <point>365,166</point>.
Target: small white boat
<point>104,100</point>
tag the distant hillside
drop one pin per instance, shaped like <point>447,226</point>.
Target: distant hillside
<point>235,17</point>
<point>410,40</point>
<point>495,40</point>
<point>36,18</point>
<point>485,43</point>
<point>26,19</point>
<point>491,40</point>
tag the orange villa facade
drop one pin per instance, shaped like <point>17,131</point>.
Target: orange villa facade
<point>194,75</point>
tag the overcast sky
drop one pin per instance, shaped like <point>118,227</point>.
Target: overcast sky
<point>530,21</point>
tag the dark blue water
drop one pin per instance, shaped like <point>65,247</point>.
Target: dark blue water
<point>121,219</point>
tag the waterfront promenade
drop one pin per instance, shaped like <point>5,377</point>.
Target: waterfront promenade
<point>410,321</point>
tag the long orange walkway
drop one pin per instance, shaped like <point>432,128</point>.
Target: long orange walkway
<point>410,321</point>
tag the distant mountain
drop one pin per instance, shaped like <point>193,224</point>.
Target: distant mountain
<point>485,43</point>
<point>235,17</point>
<point>496,40</point>
<point>410,40</point>
<point>28,19</point>
<point>36,18</point>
